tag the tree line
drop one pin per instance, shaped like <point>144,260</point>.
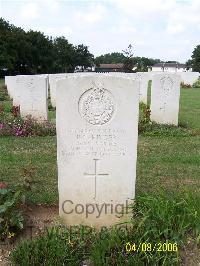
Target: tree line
<point>194,62</point>
<point>137,63</point>
<point>32,52</point>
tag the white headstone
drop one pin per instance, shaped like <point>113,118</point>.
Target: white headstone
<point>10,82</point>
<point>165,94</point>
<point>53,78</point>
<point>189,77</point>
<point>31,96</point>
<point>17,90</point>
<point>143,78</point>
<point>97,132</point>
<point>47,80</point>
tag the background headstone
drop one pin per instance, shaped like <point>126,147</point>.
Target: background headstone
<point>97,132</point>
<point>33,97</point>
<point>10,82</point>
<point>143,78</point>
<point>17,90</point>
<point>53,78</point>
<point>165,94</point>
<point>189,77</point>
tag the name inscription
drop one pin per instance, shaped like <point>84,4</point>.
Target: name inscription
<point>95,142</point>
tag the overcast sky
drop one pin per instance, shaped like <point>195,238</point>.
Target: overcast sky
<point>165,29</point>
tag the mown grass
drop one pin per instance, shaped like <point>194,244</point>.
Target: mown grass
<point>168,176</point>
<point>168,163</point>
<point>190,108</point>
<point>168,158</point>
<point>2,82</point>
<point>39,153</point>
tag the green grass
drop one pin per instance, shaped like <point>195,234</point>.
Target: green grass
<point>2,82</point>
<point>18,154</point>
<point>167,158</point>
<point>167,192</point>
<point>190,108</point>
<point>189,112</point>
<point>163,162</point>
<point>168,163</point>
<point>159,221</point>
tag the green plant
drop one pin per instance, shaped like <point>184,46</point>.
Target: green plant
<point>11,218</point>
<point>3,93</point>
<point>11,124</point>
<point>157,221</point>
<point>144,117</point>
<point>50,106</point>
<point>11,199</point>
<point>154,129</point>
<point>57,247</point>
<point>196,84</point>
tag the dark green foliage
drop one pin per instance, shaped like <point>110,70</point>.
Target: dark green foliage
<point>189,63</point>
<point>11,218</point>
<point>50,107</point>
<point>3,93</point>
<point>144,115</point>
<point>194,62</point>
<point>32,52</point>
<point>112,58</point>
<point>142,63</point>
<point>129,60</point>
<point>196,84</point>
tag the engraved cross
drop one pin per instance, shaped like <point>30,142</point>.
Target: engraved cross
<point>95,174</point>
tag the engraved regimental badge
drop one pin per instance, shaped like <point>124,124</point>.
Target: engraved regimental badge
<point>166,84</point>
<point>96,105</point>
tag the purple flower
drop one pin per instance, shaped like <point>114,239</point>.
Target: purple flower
<point>1,126</point>
<point>3,185</point>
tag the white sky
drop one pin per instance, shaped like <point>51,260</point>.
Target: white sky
<point>165,29</point>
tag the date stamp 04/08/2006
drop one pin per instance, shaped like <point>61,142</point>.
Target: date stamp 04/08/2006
<point>149,247</point>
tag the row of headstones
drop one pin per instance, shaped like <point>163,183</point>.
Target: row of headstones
<point>97,135</point>
<point>30,92</point>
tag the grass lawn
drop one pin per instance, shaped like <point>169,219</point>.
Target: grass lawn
<point>163,162</point>
<point>2,82</point>
<point>167,165</point>
<point>190,108</point>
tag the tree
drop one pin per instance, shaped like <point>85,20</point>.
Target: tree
<point>9,45</point>
<point>40,59</point>
<point>172,62</point>
<point>112,58</point>
<point>64,53</point>
<point>129,59</point>
<point>189,64</point>
<point>83,57</point>
<point>196,59</point>
<point>32,52</point>
<point>143,63</point>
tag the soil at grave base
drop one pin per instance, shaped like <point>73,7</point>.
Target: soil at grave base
<point>38,217</point>
<point>190,254</point>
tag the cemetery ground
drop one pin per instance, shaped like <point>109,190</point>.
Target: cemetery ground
<point>167,205</point>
